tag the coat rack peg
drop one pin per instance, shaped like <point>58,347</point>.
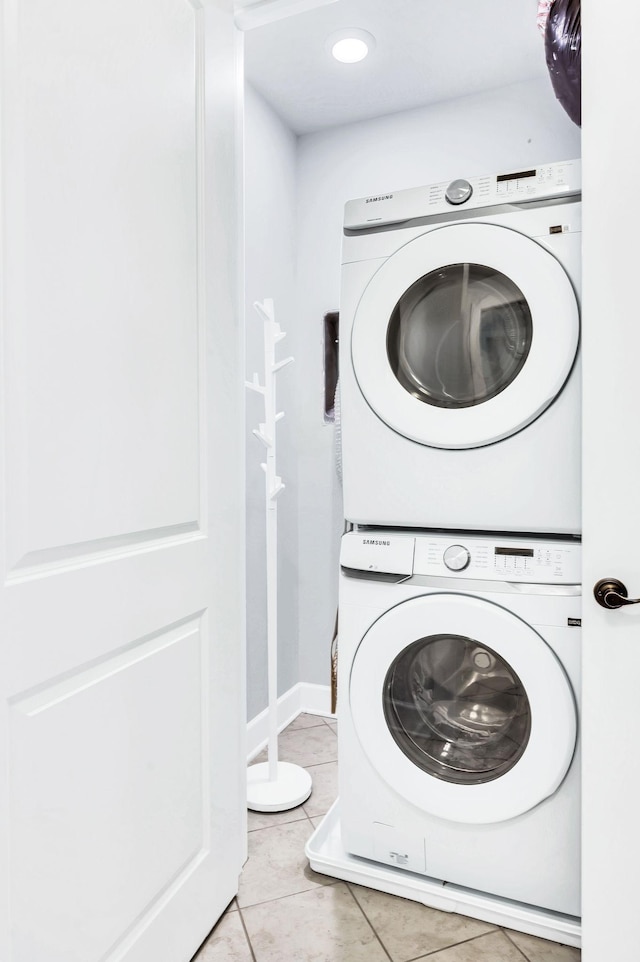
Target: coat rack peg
<point>254,385</point>
<point>278,488</point>
<point>280,364</point>
<point>272,786</point>
<point>262,436</point>
<point>265,309</point>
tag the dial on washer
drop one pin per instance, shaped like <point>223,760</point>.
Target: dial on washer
<point>456,557</point>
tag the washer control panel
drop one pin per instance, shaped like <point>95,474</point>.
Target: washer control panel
<point>507,558</point>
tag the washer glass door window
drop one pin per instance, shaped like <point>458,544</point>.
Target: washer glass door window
<point>462,708</point>
<point>457,709</point>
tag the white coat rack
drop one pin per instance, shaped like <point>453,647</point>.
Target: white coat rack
<point>272,786</point>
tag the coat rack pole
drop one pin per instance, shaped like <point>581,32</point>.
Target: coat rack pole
<point>272,786</point>
<point>271,514</point>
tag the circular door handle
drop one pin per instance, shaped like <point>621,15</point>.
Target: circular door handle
<point>612,594</point>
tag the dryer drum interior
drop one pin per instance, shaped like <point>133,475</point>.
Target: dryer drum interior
<point>459,335</point>
<point>457,709</point>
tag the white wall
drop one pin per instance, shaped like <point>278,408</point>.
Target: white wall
<point>518,126</point>
<point>270,199</point>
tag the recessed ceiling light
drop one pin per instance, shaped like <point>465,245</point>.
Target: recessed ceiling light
<point>350,46</point>
<point>350,50</point>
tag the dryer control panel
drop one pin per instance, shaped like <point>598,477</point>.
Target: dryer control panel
<point>507,558</point>
<point>513,187</point>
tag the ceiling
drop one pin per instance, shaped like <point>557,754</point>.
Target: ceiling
<point>427,51</point>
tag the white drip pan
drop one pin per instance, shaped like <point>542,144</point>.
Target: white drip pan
<point>326,855</point>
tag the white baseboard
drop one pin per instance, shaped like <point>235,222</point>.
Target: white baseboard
<point>315,699</point>
<point>303,697</point>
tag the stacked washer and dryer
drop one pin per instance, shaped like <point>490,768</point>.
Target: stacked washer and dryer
<point>459,641</point>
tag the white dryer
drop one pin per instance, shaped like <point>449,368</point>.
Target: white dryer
<point>459,360</point>
<point>458,711</point>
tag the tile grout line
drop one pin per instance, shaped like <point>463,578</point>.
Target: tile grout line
<point>291,821</point>
<point>305,816</point>
<point>302,728</point>
<point>246,934</point>
<point>290,757</point>
<point>454,945</point>
<point>306,728</point>
<point>444,948</point>
<point>287,825</point>
<point>517,947</point>
<point>292,895</point>
<point>369,922</point>
<point>309,817</point>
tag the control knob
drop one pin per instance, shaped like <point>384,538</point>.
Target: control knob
<point>458,191</point>
<point>456,557</point>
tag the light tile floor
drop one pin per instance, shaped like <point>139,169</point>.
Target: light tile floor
<point>285,912</point>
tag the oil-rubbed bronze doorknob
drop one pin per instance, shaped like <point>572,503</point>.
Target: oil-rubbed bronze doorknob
<point>612,594</point>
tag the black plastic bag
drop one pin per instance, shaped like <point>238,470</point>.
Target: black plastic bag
<point>562,41</point>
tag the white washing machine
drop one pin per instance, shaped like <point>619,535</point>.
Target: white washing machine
<point>459,361</point>
<point>458,711</point>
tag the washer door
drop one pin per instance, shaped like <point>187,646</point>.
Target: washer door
<point>462,708</point>
<point>465,335</point>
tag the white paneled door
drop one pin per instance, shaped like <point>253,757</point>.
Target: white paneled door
<point>611,336</point>
<point>121,592</point>
<point>611,475</point>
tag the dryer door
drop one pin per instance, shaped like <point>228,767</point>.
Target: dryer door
<point>463,708</point>
<point>465,335</point>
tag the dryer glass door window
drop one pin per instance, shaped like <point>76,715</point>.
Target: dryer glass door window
<point>465,335</point>
<point>457,709</point>
<point>459,336</point>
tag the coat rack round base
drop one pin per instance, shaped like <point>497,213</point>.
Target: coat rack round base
<point>290,787</point>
